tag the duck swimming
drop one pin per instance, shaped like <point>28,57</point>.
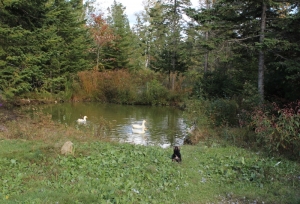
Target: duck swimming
<point>82,120</point>
<point>138,131</point>
<point>137,126</point>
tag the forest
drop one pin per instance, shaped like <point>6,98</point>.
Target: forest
<point>236,61</point>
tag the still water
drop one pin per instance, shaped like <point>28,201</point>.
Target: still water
<point>164,125</point>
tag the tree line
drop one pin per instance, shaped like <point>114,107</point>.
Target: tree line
<point>235,48</point>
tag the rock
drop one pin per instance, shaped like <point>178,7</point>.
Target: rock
<point>3,128</point>
<point>67,148</point>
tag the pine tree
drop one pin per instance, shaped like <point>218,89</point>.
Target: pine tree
<point>42,43</point>
<point>244,28</point>
<point>139,43</point>
<point>167,27</point>
<point>282,77</point>
<point>20,57</point>
<point>119,51</point>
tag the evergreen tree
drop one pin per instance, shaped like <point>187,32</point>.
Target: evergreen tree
<point>145,32</point>
<point>42,42</point>
<point>167,26</point>
<point>140,40</point>
<point>282,77</point>
<point>20,57</point>
<point>119,51</point>
<point>246,28</point>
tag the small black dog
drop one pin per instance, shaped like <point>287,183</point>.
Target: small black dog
<point>176,154</point>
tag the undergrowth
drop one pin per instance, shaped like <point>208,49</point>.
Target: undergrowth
<point>124,87</point>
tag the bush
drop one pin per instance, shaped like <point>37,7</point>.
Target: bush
<point>197,120</point>
<point>124,87</point>
<point>250,97</point>
<point>155,93</point>
<point>278,129</point>
<point>195,112</point>
<point>109,86</point>
<point>223,112</point>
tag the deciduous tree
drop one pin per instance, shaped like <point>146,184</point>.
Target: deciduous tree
<point>103,36</point>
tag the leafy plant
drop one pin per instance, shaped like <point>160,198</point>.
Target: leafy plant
<point>223,112</point>
<point>279,129</point>
<point>155,93</point>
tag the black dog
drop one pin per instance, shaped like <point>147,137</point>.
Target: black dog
<point>176,155</point>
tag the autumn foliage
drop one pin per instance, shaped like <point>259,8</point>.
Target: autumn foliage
<point>102,34</point>
<point>109,86</point>
<point>125,87</point>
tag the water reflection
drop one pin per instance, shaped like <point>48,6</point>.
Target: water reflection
<point>164,125</point>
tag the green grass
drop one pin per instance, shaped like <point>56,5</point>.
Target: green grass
<point>232,173</point>
<point>32,170</point>
<point>103,172</point>
<point>99,172</point>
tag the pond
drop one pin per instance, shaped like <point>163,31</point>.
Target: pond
<point>165,126</point>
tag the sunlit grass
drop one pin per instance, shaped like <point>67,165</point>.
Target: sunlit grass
<point>230,173</point>
<point>32,170</point>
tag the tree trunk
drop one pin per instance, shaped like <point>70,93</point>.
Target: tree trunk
<point>175,46</point>
<point>98,55</point>
<point>173,70</point>
<point>261,54</point>
<point>206,39</point>
<point>147,63</point>
<point>206,54</point>
<point>169,79</point>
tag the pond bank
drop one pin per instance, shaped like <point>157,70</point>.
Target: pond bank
<point>209,173</point>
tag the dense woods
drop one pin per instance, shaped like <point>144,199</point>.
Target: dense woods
<point>237,56</point>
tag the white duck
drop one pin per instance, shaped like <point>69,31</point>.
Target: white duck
<point>164,145</point>
<point>138,131</point>
<point>137,126</point>
<point>82,120</point>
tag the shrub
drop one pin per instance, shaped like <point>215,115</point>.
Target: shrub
<point>195,112</point>
<point>250,97</point>
<point>279,128</point>
<point>124,87</point>
<point>88,81</point>
<point>109,86</point>
<point>223,112</point>
<point>117,86</point>
<point>155,93</point>
<point>197,120</point>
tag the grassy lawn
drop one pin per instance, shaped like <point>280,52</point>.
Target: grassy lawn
<point>32,170</point>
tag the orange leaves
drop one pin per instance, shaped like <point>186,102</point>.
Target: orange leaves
<point>101,31</point>
<point>88,81</point>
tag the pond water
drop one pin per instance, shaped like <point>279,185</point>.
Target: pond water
<point>165,126</point>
